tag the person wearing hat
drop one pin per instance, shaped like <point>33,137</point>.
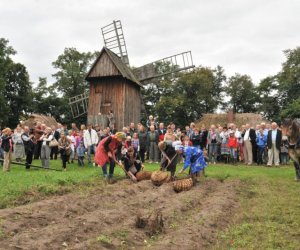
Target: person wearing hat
<point>106,153</point>
<point>193,158</point>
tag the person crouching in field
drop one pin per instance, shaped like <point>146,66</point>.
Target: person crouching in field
<point>193,158</point>
<point>106,153</point>
<point>80,154</point>
<point>64,146</point>
<point>7,148</point>
<point>132,163</point>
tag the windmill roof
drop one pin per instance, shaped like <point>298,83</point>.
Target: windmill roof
<point>124,70</point>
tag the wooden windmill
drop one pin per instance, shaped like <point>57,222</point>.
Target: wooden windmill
<point>115,86</point>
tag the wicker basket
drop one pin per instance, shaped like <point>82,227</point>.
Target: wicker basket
<point>143,175</point>
<point>159,177</point>
<point>182,185</point>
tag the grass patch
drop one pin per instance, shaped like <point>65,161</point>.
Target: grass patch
<point>104,239</point>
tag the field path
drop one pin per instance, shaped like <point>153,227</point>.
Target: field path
<point>104,218</point>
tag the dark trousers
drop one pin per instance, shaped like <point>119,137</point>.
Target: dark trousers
<point>54,152</point>
<point>260,152</point>
<point>297,170</point>
<point>142,154</point>
<point>29,156</point>
<point>80,161</point>
<point>254,152</point>
<point>37,150</point>
<point>64,158</point>
<point>111,168</point>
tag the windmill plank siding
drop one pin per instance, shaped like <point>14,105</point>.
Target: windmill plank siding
<point>113,87</point>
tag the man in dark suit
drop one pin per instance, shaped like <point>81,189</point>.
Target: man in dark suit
<point>273,143</point>
<point>249,144</point>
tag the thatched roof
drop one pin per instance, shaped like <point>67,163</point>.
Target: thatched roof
<point>238,119</point>
<point>123,69</point>
<point>34,118</point>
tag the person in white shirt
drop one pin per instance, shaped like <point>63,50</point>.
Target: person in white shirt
<point>46,150</point>
<point>90,140</point>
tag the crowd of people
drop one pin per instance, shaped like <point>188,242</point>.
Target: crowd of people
<point>262,144</point>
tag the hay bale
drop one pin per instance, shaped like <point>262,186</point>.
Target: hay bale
<point>159,177</point>
<point>182,185</point>
<point>34,118</point>
<point>143,175</point>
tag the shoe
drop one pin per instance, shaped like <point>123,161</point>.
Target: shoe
<point>297,180</point>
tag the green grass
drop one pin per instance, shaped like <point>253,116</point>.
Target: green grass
<point>269,216</point>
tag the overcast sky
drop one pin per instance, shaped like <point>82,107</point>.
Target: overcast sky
<point>244,36</point>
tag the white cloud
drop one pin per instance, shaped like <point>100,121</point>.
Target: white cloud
<point>242,36</point>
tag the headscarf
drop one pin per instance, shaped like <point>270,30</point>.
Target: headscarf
<point>120,135</point>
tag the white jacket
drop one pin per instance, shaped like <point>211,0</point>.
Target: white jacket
<point>90,138</point>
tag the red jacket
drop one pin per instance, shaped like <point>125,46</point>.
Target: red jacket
<point>232,142</point>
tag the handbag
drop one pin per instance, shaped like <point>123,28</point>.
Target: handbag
<point>53,143</point>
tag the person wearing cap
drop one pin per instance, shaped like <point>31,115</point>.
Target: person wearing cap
<point>106,153</point>
<point>193,158</point>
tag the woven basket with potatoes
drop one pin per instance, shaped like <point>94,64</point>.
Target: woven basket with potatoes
<point>182,185</point>
<point>143,175</point>
<point>159,177</point>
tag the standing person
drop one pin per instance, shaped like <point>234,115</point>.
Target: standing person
<point>274,142</point>
<point>196,138</point>
<point>90,139</point>
<point>45,151</point>
<point>64,149</point>
<point>7,148</point>
<point>142,135</point>
<point>213,138</point>
<point>224,144</point>
<point>135,143</point>
<point>38,132</point>
<point>241,143</point>
<point>18,144</point>
<point>284,156</point>
<point>111,119</point>
<point>203,137</point>
<point>54,150</point>
<point>28,141</point>
<point>249,139</point>
<point>80,154</point>
<point>132,129</point>
<point>161,131</point>
<point>72,146</point>
<point>233,145</point>
<point>106,153</point>
<point>261,141</point>
<point>152,141</point>
<point>1,149</point>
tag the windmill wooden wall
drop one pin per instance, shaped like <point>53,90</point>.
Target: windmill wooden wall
<point>113,87</point>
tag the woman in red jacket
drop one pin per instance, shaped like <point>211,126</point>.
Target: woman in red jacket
<point>106,153</point>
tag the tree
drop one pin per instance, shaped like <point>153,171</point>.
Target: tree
<point>18,92</point>
<point>15,87</point>
<point>191,95</point>
<point>241,91</point>
<point>292,110</point>
<point>72,68</point>
<point>269,98</point>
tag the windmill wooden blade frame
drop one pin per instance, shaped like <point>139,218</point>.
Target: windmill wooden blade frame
<point>179,62</point>
<point>114,40</point>
<point>79,104</point>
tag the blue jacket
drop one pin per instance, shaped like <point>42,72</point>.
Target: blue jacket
<point>80,151</point>
<point>261,140</point>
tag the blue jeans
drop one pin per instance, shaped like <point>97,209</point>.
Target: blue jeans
<point>260,152</point>
<point>111,168</point>
<point>89,152</point>
<point>233,154</point>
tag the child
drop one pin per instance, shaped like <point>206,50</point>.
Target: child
<point>7,148</point>
<point>80,154</point>
<point>233,145</point>
<point>186,141</point>
<point>135,142</point>
<point>128,142</point>
<point>284,150</point>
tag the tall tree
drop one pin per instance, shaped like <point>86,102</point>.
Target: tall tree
<point>242,94</point>
<point>72,68</point>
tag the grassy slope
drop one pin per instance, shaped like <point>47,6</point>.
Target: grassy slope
<point>270,200</point>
